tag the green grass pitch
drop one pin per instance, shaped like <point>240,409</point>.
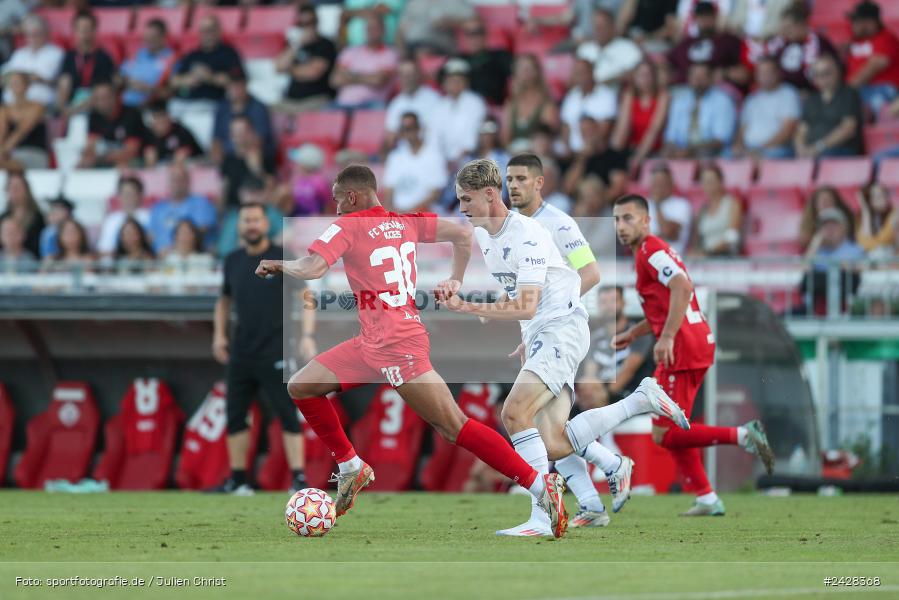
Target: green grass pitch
<point>431,546</point>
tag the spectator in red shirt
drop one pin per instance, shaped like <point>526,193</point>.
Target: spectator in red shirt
<point>642,114</point>
<point>872,64</point>
<point>798,47</point>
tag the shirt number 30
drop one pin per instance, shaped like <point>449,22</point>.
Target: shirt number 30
<point>401,273</point>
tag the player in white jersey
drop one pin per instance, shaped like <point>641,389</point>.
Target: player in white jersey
<point>524,180</point>
<point>542,293</point>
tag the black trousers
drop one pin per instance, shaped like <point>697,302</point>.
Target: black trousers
<point>245,377</point>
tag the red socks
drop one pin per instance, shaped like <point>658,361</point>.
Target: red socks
<point>699,436</point>
<point>322,418</point>
<point>689,463</point>
<point>490,447</point>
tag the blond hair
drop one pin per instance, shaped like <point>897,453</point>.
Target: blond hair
<point>479,174</point>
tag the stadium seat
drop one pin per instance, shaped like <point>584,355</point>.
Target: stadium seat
<point>430,66</point>
<point>264,81</point>
<point>499,16</point>
<point>113,21</point>
<point>737,173</point>
<point>156,184</point>
<point>557,69</point>
<point>140,441</point>
<point>59,20</point>
<point>206,181</point>
<point>848,175</point>
<point>112,43</point>
<point>366,131</point>
<point>90,191</point>
<point>60,440</point>
<point>204,451</point>
<point>7,423</point>
<point>256,44</point>
<point>881,136</point>
<point>271,20</point>
<point>175,19</point>
<point>389,436</point>
<point>45,184</point>
<point>230,18</point>
<point>449,466</point>
<point>547,38</point>
<point>325,128</point>
<point>785,173</point>
<point>200,123</point>
<point>888,173</point>
<point>683,172</point>
<point>773,215</point>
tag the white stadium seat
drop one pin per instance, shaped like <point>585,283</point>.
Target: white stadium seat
<point>90,191</point>
<point>264,81</point>
<point>45,184</point>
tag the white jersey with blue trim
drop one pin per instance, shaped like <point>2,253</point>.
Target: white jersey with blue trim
<point>523,253</point>
<point>563,228</point>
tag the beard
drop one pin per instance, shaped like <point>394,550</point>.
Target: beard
<point>252,239</point>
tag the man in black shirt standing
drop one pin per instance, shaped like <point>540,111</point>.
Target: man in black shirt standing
<point>255,358</point>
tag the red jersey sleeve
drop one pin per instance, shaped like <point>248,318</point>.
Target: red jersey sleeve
<point>333,242</point>
<point>425,226</point>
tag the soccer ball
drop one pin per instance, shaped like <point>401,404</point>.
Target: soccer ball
<point>310,513</point>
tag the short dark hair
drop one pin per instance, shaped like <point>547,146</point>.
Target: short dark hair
<point>410,115</point>
<point>158,106</point>
<point>85,14</point>
<point>714,168</point>
<point>663,168</point>
<point>529,160</point>
<point>602,12</point>
<point>246,205</point>
<point>608,288</point>
<point>770,60</point>
<point>307,9</point>
<point>131,180</point>
<point>633,199</point>
<point>797,12</point>
<point>357,177</point>
<point>158,24</point>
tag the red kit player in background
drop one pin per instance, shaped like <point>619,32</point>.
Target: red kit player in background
<point>683,352</point>
<point>378,250</point>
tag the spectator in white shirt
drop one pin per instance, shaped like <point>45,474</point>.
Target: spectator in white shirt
<point>415,173</point>
<point>670,216</point>
<point>39,58</point>
<point>131,198</point>
<point>458,116</point>
<point>770,115</point>
<point>586,98</point>
<point>612,57</point>
<point>414,97</point>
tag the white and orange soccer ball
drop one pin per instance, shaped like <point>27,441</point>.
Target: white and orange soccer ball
<point>310,513</point>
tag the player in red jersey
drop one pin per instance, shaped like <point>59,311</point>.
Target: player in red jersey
<point>378,250</point>
<point>683,352</point>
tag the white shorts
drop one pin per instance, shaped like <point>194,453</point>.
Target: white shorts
<point>555,351</point>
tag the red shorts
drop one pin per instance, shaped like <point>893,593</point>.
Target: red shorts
<point>355,364</point>
<point>682,387</point>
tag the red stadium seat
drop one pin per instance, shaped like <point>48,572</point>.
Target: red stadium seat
<point>255,44</point>
<point>683,172</point>
<point>204,453</point>
<point>737,173</point>
<point>366,131</point>
<point>61,440</point>
<point>786,173</point>
<point>206,181</point>
<point>430,66</point>
<point>389,436</point>
<point>141,439</point>
<point>888,172</point>
<point>7,423</point>
<point>272,20</point>
<point>175,19</point>
<point>848,175</point>
<point>557,70</point>
<point>113,46</point>
<point>59,20</point>
<point>774,215</point>
<point>325,128</point>
<point>547,38</point>
<point>231,18</point>
<point>499,16</point>
<point>113,21</point>
<point>838,31</point>
<point>881,136</point>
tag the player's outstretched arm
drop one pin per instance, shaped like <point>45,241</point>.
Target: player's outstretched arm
<point>312,266</point>
<point>522,308</point>
<point>624,339</point>
<point>459,234</point>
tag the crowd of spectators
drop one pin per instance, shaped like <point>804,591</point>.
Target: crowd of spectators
<point>673,79</point>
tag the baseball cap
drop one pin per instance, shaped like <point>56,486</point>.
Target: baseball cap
<point>865,10</point>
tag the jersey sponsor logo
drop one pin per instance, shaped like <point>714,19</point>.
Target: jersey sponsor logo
<point>508,280</point>
<point>535,261</point>
<point>667,272</point>
<point>506,252</point>
<point>391,230</point>
<point>330,232</point>
<point>530,243</point>
<point>575,244</point>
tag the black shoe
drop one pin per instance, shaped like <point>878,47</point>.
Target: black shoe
<point>299,483</point>
<point>231,487</point>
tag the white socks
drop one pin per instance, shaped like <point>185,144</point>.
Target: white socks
<point>529,446</point>
<point>707,499</point>
<point>602,457</point>
<point>595,423</point>
<point>741,436</point>
<point>574,469</point>
<point>354,464</point>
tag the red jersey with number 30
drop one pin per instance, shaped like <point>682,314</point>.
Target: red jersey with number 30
<point>657,264</point>
<point>378,250</point>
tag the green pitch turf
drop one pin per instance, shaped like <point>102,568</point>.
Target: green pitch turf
<point>429,547</point>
